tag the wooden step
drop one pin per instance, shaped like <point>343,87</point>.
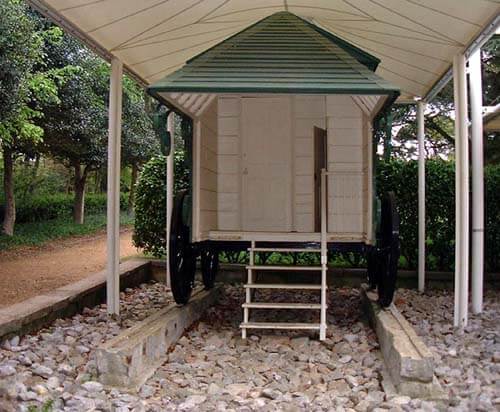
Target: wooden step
<point>278,267</point>
<point>283,250</point>
<point>281,305</point>
<point>303,286</point>
<point>278,325</point>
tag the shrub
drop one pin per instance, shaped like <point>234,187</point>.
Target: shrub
<point>402,178</point>
<point>150,207</point>
<point>492,217</point>
<point>48,207</point>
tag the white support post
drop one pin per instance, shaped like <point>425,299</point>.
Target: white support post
<point>113,195</point>
<point>324,252</point>
<point>461,192</point>
<point>476,101</point>
<point>170,187</point>
<point>421,195</point>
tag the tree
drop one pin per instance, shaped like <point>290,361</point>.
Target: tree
<point>139,142</point>
<point>75,127</point>
<point>24,83</point>
<point>439,124</point>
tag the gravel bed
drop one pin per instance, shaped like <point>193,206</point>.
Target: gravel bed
<point>467,361</point>
<point>212,368</point>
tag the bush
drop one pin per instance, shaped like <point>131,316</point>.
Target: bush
<point>49,207</point>
<point>150,207</point>
<point>492,217</point>
<point>402,178</point>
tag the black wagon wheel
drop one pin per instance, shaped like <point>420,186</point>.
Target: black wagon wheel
<point>182,256</point>
<point>389,250</point>
<point>209,266</point>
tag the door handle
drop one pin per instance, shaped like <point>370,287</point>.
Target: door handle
<point>245,171</point>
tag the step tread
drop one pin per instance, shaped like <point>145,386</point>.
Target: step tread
<point>278,267</point>
<point>283,250</point>
<point>283,305</point>
<point>304,286</point>
<point>279,325</point>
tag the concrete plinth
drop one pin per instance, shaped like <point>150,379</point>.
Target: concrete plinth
<point>130,358</point>
<point>409,362</point>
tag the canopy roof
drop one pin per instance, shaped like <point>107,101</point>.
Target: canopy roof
<point>415,40</point>
<point>280,54</point>
<point>491,119</point>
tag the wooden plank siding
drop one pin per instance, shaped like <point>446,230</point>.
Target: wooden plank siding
<point>349,144</point>
<point>208,169</point>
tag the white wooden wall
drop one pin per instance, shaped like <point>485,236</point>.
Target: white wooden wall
<point>349,138</point>
<point>347,160</point>
<point>229,165</point>
<point>206,174</point>
<point>309,111</point>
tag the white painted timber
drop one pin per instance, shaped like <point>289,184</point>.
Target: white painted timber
<point>476,100</point>
<point>421,195</point>
<point>347,161</point>
<point>279,325</point>
<point>266,163</point>
<point>461,193</point>
<point>208,181</point>
<point>289,286</point>
<point>279,305</point>
<point>284,250</point>
<point>286,268</point>
<point>113,196</point>
<point>252,267</point>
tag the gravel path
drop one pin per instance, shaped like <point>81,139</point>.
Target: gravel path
<point>26,272</point>
<point>211,368</point>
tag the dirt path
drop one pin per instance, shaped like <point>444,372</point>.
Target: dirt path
<point>29,271</point>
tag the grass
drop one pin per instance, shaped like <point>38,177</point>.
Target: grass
<point>37,233</point>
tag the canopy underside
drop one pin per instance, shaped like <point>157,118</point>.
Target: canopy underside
<point>414,39</point>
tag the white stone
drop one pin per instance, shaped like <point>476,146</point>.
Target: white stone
<point>93,386</point>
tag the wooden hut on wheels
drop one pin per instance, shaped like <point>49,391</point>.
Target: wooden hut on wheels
<point>269,107</point>
<point>282,159</point>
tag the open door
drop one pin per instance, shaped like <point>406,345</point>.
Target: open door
<point>320,162</point>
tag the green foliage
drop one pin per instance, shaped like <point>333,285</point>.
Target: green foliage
<point>492,217</point>
<point>402,178</point>
<point>150,207</point>
<point>59,205</point>
<point>37,233</point>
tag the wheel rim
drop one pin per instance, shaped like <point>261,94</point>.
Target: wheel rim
<point>388,252</point>
<point>209,267</point>
<point>182,258</point>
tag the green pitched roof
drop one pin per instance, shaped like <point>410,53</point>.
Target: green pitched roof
<point>280,54</point>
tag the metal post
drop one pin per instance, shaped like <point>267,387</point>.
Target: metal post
<point>476,101</point>
<point>324,252</point>
<point>461,192</point>
<point>170,186</point>
<point>113,195</point>
<point>421,195</point>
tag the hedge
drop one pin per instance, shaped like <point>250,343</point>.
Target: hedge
<point>396,175</point>
<point>402,178</point>
<point>48,207</point>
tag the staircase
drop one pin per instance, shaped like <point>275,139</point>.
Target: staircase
<point>251,285</point>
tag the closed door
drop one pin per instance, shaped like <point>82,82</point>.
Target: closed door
<point>266,164</point>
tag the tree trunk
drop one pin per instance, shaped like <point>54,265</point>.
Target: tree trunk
<point>9,218</point>
<point>131,195</point>
<point>79,187</point>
